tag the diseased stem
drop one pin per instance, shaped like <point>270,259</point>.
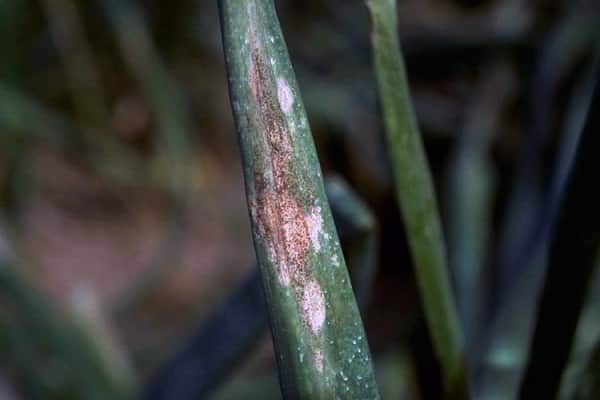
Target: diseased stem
<point>416,197</point>
<point>322,351</point>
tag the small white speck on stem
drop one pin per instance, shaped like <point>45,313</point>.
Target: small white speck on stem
<point>313,305</point>
<point>285,95</point>
<point>314,222</point>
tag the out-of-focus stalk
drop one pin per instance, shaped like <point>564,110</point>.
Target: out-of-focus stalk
<point>416,197</point>
<point>83,79</point>
<point>51,356</point>
<point>173,137</point>
<point>159,88</point>
<point>572,260</point>
<point>469,197</point>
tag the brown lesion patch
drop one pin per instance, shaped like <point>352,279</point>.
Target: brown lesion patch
<point>287,221</point>
<point>282,227</point>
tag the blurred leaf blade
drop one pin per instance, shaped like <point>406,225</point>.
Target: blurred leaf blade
<point>39,331</point>
<point>509,332</point>
<point>87,95</point>
<point>161,90</point>
<point>576,241</point>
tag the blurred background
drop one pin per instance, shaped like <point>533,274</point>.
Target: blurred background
<point>123,211</point>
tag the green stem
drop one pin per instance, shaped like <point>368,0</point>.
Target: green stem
<point>416,197</point>
<point>322,351</point>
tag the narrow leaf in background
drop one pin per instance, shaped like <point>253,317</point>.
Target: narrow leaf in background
<point>415,194</point>
<point>572,259</point>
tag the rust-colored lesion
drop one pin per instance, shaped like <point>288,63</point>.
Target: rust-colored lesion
<point>280,214</point>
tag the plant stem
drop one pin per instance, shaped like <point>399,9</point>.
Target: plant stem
<point>416,197</point>
<point>322,351</point>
